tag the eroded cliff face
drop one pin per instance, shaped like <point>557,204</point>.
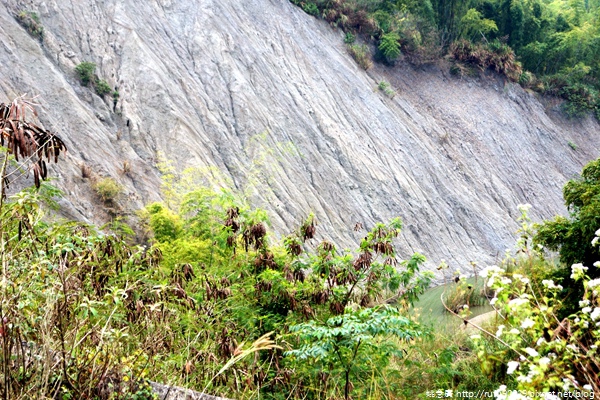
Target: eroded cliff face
<point>268,97</point>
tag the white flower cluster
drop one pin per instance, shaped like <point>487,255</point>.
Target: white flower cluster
<point>527,323</point>
<point>595,240</point>
<point>502,394</point>
<point>512,367</point>
<point>532,352</point>
<point>549,284</point>
<point>532,366</point>
<point>500,330</point>
<point>521,278</point>
<point>491,272</point>
<point>573,348</point>
<point>578,271</point>
<point>519,301</point>
<point>593,283</point>
<point>533,372</point>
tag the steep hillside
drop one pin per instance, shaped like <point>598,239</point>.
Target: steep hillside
<point>269,96</point>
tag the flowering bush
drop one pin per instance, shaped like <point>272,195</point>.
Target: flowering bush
<point>573,236</point>
<point>542,352</point>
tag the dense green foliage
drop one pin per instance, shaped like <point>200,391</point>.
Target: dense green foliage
<point>66,309</point>
<point>183,310</point>
<point>552,46</point>
<point>346,345</point>
<point>361,55</point>
<point>390,46</point>
<point>286,290</point>
<point>575,237</point>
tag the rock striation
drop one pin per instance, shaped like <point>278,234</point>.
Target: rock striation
<point>262,96</point>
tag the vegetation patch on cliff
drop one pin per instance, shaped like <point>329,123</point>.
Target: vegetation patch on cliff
<point>549,46</point>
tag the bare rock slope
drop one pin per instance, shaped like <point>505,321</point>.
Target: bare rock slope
<point>258,93</point>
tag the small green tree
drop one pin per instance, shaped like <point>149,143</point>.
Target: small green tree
<point>102,87</point>
<point>354,344</point>
<point>86,72</point>
<point>349,344</point>
<point>310,8</point>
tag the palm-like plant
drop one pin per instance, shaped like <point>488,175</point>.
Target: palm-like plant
<point>26,140</point>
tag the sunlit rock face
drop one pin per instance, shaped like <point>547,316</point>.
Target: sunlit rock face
<point>260,96</point>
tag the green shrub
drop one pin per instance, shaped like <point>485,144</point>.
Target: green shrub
<point>576,87</point>
<point>580,99</point>
<point>459,69</point>
<point>553,85</point>
<point>349,38</point>
<point>311,8</point>
<point>31,21</point>
<point>33,15</point>
<point>390,47</point>
<point>386,88</point>
<point>102,87</point>
<point>527,79</point>
<point>50,314</point>
<point>86,72</point>
<point>494,55</point>
<point>361,54</point>
<point>165,224</point>
<point>108,189</point>
<point>357,343</point>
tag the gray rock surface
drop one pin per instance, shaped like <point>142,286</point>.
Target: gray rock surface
<point>268,96</point>
<point>166,392</point>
